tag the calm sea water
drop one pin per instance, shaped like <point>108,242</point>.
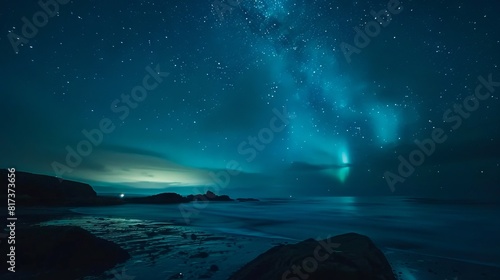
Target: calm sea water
<point>460,230</point>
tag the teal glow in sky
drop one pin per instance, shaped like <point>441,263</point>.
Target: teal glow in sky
<point>345,158</point>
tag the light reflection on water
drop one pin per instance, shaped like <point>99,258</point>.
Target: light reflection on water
<point>423,226</point>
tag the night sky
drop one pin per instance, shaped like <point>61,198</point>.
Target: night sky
<point>258,98</point>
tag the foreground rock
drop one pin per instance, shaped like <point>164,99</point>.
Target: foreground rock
<point>63,252</point>
<point>344,257</point>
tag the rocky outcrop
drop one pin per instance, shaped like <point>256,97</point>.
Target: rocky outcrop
<point>34,189</point>
<point>43,190</point>
<point>174,198</point>
<point>48,187</point>
<point>162,198</point>
<point>63,252</point>
<point>210,196</point>
<point>348,257</point>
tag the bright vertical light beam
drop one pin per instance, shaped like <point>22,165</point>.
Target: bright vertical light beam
<point>345,158</point>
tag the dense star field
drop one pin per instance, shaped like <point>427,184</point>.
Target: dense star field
<point>266,98</point>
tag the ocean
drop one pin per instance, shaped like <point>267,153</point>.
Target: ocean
<point>422,238</point>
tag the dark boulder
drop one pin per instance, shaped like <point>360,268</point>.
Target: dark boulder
<point>345,257</point>
<point>64,252</point>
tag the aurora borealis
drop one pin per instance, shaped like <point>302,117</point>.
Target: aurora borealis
<point>263,87</point>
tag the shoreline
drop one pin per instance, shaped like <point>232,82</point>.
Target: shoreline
<point>193,250</point>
